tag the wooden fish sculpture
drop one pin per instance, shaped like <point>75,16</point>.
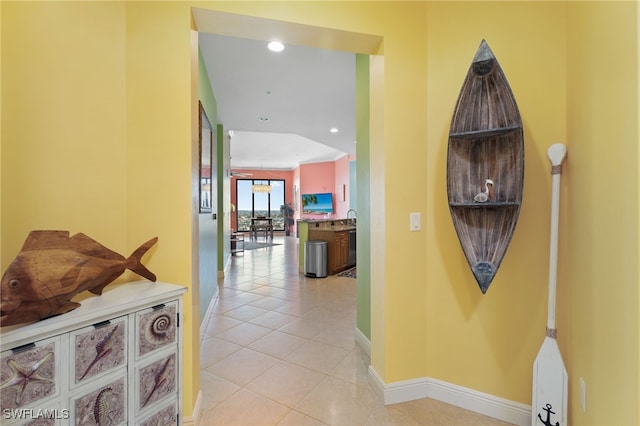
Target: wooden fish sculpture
<point>52,268</point>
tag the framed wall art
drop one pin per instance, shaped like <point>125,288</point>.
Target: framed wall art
<point>206,156</point>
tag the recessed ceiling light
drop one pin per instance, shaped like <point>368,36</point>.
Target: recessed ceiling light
<point>275,46</point>
<point>334,130</point>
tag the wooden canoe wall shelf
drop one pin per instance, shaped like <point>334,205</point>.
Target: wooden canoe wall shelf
<point>485,166</point>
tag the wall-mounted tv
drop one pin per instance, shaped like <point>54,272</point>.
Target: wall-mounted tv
<point>317,203</point>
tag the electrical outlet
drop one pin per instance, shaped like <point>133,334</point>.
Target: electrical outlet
<point>583,394</point>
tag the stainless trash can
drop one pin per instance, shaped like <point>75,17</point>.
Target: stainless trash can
<point>315,259</point>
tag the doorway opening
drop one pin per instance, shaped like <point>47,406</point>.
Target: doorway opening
<point>361,45</point>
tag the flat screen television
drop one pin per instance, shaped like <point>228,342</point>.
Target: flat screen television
<point>317,203</point>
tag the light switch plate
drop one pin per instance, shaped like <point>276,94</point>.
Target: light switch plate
<point>415,222</point>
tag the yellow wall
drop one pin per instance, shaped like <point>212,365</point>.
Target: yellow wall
<point>489,342</point>
<point>97,134</point>
<point>109,87</point>
<point>63,122</point>
<point>1,133</point>
<point>602,216</point>
<point>162,110</point>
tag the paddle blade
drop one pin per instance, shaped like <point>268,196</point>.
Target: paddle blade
<point>550,387</point>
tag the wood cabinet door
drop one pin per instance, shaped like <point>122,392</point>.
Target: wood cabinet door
<point>342,250</point>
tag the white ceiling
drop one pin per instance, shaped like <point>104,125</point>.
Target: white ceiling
<point>302,92</point>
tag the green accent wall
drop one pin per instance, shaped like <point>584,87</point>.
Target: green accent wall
<point>208,234</point>
<point>353,186</point>
<point>205,92</point>
<point>363,255</point>
<point>224,199</point>
<point>303,236</point>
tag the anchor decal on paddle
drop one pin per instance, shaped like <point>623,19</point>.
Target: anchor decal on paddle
<point>549,413</point>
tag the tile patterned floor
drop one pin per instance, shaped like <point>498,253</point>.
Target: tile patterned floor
<point>279,350</point>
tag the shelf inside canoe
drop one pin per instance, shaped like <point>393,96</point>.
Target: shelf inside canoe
<point>471,162</point>
<point>489,204</point>
<point>482,134</point>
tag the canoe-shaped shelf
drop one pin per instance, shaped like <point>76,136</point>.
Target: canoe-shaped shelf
<point>485,166</point>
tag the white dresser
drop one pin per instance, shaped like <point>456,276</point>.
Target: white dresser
<point>116,360</point>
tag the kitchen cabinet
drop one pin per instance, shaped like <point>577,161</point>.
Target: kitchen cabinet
<point>342,250</point>
<point>114,360</point>
<point>337,248</point>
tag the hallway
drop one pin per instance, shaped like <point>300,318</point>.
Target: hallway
<point>279,349</point>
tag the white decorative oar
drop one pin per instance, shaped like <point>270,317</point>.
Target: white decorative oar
<point>550,378</point>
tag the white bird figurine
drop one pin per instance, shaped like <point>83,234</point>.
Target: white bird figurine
<point>487,195</point>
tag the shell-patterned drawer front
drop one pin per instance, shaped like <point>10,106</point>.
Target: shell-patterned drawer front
<point>156,328</point>
<point>97,350</point>
<point>29,374</point>
<point>166,416</point>
<point>155,381</point>
<point>101,406</point>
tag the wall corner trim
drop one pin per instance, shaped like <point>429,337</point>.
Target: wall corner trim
<point>194,419</point>
<point>363,342</point>
<point>469,399</point>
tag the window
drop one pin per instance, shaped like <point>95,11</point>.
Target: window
<point>250,204</point>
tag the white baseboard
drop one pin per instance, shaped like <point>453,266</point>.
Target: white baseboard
<point>469,399</point>
<point>207,315</point>
<point>227,265</point>
<point>363,342</point>
<point>194,419</point>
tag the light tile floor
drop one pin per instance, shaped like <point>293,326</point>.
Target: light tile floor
<point>280,350</point>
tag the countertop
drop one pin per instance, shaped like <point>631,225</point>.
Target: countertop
<point>335,228</point>
<point>330,225</point>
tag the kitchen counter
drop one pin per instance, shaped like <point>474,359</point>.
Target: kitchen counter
<point>341,246</point>
<point>338,233</point>
<point>329,224</point>
<point>333,228</point>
